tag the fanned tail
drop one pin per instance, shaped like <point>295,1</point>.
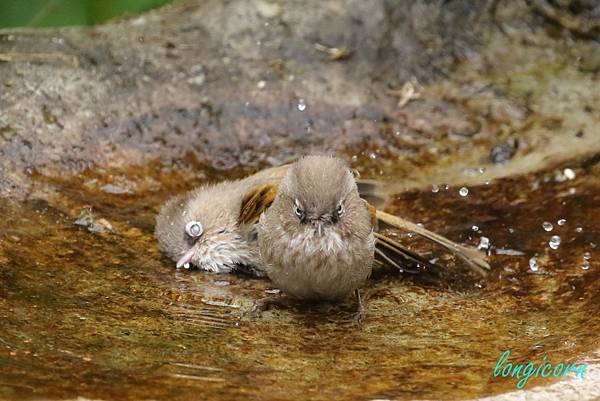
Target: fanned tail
<point>385,246</point>
<point>472,257</point>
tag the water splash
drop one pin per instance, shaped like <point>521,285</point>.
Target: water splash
<point>484,243</point>
<point>301,106</point>
<point>533,264</point>
<point>585,265</point>
<point>554,242</point>
<point>569,173</point>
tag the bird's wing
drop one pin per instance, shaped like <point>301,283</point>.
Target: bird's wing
<point>262,192</point>
<point>256,201</point>
<point>272,173</point>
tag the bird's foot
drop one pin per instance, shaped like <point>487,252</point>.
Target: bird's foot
<point>361,311</point>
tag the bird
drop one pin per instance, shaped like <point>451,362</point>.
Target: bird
<point>214,227</point>
<point>211,228</point>
<point>316,241</point>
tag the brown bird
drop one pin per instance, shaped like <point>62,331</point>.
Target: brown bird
<point>317,239</point>
<point>213,227</point>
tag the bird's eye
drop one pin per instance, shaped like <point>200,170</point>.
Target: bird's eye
<point>298,209</point>
<point>193,229</point>
<point>339,210</point>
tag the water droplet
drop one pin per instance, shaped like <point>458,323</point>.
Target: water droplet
<point>570,174</point>
<point>533,264</point>
<point>435,189</point>
<point>301,105</point>
<point>585,265</point>
<point>561,222</point>
<point>554,242</point>
<point>579,229</point>
<point>475,228</point>
<point>547,226</point>
<point>372,156</point>
<point>587,256</point>
<point>464,191</point>
<point>420,225</point>
<point>484,243</point>
<point>261,84</point>
<point>186,266</point>
<point>511,230</point>
<point>481,170</point>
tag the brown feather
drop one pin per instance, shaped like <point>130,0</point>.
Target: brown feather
<point>256,201</point>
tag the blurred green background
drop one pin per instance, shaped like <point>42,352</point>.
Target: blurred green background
<point>37,13</point>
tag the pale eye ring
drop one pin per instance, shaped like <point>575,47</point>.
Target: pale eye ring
<point>340,209</point>
<point>194,229</point>
<point>298,209</point>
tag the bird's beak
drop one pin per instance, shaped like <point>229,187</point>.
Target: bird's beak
<point>185,260</point>
<point>318,226</point>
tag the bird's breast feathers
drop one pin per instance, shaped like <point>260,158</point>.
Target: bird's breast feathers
<point>329,241</point>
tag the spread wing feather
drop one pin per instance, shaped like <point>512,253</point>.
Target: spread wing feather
<point>256,201</point>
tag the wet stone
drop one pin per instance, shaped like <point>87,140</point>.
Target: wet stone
<point>94,224</point>
<point>504,152</point>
